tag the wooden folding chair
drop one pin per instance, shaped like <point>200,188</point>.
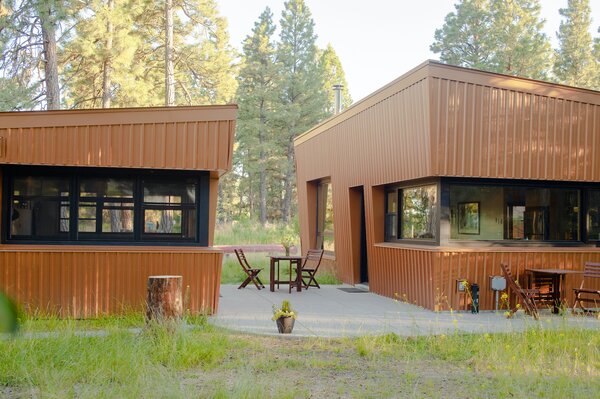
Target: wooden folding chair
<point>251,273</point>
<point>310,266</point>
<point>590,271</point>
<point>524,295</point>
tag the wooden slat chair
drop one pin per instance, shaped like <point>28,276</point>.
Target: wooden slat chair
<point>525,296</point>
<point>545,284</point>
<point>310,266</point>
<point>590,271</point>
<point>251,273</point>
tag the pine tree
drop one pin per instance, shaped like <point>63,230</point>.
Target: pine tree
<point>98,63</point>
<point>303,98</point>
<point>257,99</point>
<point>203,60</point>
<point>334,75</point>
<point>28,40</point>
<point>464,38</point>
<point>503,36</point>
<point>520,46</point>
<point>574,63</point>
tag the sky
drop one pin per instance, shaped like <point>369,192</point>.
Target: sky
<point>376,43</point>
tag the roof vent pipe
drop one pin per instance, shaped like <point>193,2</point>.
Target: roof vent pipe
<point>338,98</point>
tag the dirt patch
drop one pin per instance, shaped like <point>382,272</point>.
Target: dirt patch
<point>329,369</point>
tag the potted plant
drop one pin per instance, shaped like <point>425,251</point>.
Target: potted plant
<point>287,241</point>
<point>285,317</point>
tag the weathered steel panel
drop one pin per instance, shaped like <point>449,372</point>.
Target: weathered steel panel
<point>513,134</point>
<point>92,281</point>
<point>375,150</point>
<point>191,138</point>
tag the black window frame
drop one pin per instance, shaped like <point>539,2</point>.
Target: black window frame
<point>201,180</point>
<point>443,217</point>
<point>398,189</point>
<point>584,188</point>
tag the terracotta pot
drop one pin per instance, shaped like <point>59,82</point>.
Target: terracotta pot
<point>285,325</point>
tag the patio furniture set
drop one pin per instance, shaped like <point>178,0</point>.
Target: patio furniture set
<point>302,270</point>
<point>544,286</point>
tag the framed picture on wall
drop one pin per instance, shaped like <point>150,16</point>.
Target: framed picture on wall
<point>468,218</point>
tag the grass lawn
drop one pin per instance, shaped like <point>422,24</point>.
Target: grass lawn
<point>205,361</point>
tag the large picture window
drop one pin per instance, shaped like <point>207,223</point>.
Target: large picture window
<point>116,207</point>
<point>411,213</point>
<point>488,210</point>
<point>517,213</point>
<point>325,237</point>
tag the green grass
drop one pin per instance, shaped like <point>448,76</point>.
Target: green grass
<point>251,232</point>
<point>211,362</point>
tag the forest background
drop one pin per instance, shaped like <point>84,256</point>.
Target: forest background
<point>67,54</point>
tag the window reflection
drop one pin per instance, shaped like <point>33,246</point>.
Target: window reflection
<point>518,213</point>
<point>419,205</point>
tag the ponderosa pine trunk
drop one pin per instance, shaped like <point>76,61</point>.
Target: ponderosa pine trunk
<point>169,68</point>
<point>165,300</point>
<point>50,61</point>
<point>107,64</point>
<point>288,184</point>
<point>262,190</point>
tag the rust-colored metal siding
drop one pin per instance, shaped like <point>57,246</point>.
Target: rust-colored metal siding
<point>428,277</point>
<point>439,120</point>
<point>476,266</point>
<point>190,138</point>
<point>92,281</point>
<point>484,131</point>
<point>87,281</point>
<point>379,147</point>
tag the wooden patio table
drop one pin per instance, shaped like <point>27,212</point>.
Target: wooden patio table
<point>293,260</point>
<point>558,276</point>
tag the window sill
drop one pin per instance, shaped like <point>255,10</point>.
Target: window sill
<point>490,247</point>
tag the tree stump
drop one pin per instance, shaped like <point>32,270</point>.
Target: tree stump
<point>164,298</point>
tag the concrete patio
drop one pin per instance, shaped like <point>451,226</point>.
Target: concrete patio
<point>332,312</point>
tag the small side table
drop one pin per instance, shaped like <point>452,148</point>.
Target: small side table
<point>293,260</point>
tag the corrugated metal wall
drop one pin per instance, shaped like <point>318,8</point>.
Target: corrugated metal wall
<point>381,144</point>
<point>166,138</point>
<point>439,120</point>
<point>477,266</point>
<point>485,131</point>
<point>88,282</point>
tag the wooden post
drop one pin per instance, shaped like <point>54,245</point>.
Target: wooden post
<point>164,298</point>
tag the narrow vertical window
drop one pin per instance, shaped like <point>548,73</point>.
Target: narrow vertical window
<point>391,216</point>
<point>593,216</point>
<point>325,235</point>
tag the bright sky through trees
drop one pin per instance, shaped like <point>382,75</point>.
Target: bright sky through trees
<point>379,40</point>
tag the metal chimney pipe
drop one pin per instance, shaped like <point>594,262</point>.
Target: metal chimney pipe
<point>338,98</point>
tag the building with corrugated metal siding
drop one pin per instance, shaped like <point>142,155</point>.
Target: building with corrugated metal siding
<point>445,173</point>
<point>95,201</point>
